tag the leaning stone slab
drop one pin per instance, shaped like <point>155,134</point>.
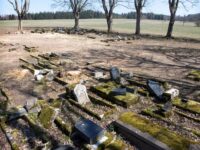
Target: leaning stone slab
<point>148,135</point>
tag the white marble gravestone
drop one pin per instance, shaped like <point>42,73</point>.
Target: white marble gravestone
<point>80,92</point>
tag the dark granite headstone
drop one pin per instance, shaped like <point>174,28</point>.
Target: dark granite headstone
<point>119,91</point>
<point>167,107</point>
<point>89,131</point>
<point>115,73</point>
<point>155,89</point>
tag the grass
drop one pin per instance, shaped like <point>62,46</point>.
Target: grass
<point>120,25</point>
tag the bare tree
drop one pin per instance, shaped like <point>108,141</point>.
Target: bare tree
<point>139,4</point>
<point>108,6</point>
<point>173,6</point>
<point>77,6</point>
<point>21,8</point>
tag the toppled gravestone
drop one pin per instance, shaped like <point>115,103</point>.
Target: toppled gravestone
<point>155,89</point>
<point>17,113</point>
<point>80,92</point>
<point>167,109</point>
<point>118,91</point>
<point>47,116</point>
<point>31,106</point>
<point>87,130</point>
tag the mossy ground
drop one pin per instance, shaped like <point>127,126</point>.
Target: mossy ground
<point>191,105</point>
<point>194,75</point>
<point>173,140</point>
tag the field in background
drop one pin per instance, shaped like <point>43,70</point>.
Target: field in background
<point>120,25</point>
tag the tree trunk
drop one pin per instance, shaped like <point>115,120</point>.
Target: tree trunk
<point>171,25</point>
<point>109,24</point>
<point>138,19</point>
<point>76,25</point>
<point>19,23</point>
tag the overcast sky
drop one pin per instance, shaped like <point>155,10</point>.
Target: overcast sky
<point>156,6</point>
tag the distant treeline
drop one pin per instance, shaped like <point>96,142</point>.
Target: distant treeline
<point>88,14</point>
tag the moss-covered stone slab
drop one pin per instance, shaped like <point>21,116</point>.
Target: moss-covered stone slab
<point>192,106</point>
<point>105,89</point>
<point>3,102</point>
<point>112,144</point>
<point>47,116</point>
<point>194,75</point>
<point>170,138</point>
<point>12,143</point>
<point>156,112</point>
<point>63,126</point>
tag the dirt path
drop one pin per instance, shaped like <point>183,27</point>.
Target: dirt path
<point>159,58</point>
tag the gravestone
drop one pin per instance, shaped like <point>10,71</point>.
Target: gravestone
<point>171,94</point>
<point>167,107</point>
<point>30,103</point>
<point>80,92</point>
<point>155,89</point>
<point>166,110</point>
<point>118,91</point>
<point>17,114</point>
<point>99,75</point>
<point>87,130</point>
<point>115,74</point>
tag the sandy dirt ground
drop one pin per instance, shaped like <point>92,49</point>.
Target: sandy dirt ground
<point>167,59</point>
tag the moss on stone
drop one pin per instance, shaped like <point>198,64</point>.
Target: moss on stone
<point>173,140</point>
<point>105,89</point>
<point>191,105</point>
<point>111,143</point>
<point>56,103</point>
<point>66,128</point>
<point>152,112</point>
<point>46,116</point>
<point>194,75</point>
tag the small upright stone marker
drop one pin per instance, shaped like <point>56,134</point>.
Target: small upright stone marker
<point>80,92</point>
<point>115,74</point>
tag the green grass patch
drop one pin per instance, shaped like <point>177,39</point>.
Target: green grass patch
<point>170,138</point>
<point>155,27</point>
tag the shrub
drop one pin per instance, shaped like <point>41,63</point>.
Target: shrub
<point>197,23</point>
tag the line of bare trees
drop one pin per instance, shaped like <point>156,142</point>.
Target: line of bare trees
<point>77,6</point>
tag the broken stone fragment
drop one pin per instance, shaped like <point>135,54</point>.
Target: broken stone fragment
<point>98,75</point>
<point>30,103</point>
<point>50,75</point>
<point>171,94</point>
<point>80,92</point>
<point>155,89</point>
<point>17,113</point>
